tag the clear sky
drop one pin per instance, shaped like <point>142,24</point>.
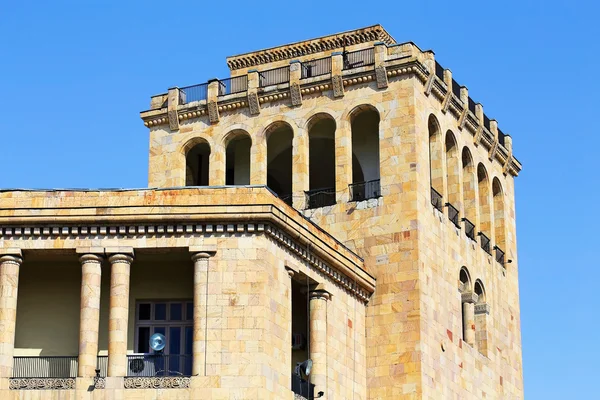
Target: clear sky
<point>75,75</point>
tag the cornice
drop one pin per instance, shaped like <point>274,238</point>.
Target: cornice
<point>374,33</point>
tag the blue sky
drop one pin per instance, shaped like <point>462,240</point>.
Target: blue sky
<point>74,76</point>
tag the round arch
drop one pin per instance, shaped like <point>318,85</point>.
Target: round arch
<point>464,279</point>
<point>197,158</point>
<point>238,144</point>
<point>479,290</point>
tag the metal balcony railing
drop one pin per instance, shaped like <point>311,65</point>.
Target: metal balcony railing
<point>321,66</point>
<point>317,198</point>
<point>499,255</point>
<point>359,58</point>
<point>365,190</point>
<point>194,93</point>
<point>453,215</point>
<point>148,365</point>
<point>436,199</point>
<point>274,76</point>
<point>102,366</point>
<point>233,85</point>
<point>286,197</point>
<point>469,228</point>
<point>45,367</point>
<point>485,242</point>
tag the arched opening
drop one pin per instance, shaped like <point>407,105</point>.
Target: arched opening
<point>365,153</point>
<point>469,193</point>
<point>452,178</point>
<point>436,161</point>
<point>237,159</point>
<point>279,160</point>
<point>197,163</point>
<point>485,221</point>
<point>481,313</point>
<point>321,164</point>
<point>464,288</point>
<point>499,220</point>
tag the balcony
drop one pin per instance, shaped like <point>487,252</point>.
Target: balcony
<point>485,242</point>
<point>499,255</point>
<point>317,198</point>
<point>453,215</point>
<point>44,372</point>
<point>469,229</point>
<point>234,85</point>
<point>319,67</point>
<point>436,200</point>
<point>274,76</point>
<point>365,190</point>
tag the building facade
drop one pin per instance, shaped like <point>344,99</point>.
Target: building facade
<point>341,200</point>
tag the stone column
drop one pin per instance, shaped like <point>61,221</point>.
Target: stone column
<point>318,338</point>
<point>9,284</point>
<point>468,303</point>
<point>200,302</point>
<point>118,315</point>
<point>89,314</point>
<point>482,311</point>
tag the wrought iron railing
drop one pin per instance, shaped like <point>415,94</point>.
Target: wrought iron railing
<point>102,366</point>
<point>453,215</point>
<point>237,84</point>
<point>365,190</point>
<point>194,93</point>
<point>274,76</point>
<point>319,67</point>
<point>359,58</point>
<point>436,200</point>
<point>485,242</point>
<point>45,367</point>
<point>320,197</point>
<point>499,255</point>
<point>469,228</point>
<point>148,365</point>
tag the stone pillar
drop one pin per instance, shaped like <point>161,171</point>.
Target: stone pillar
<point>300,176</point>
<point>318,338</point>
<point>118,316</point>
<point>468,303</point>
<point>89,314</point>
<point>482,312</point>
<point>9,284</point>
<point>200,302</point>
<point>337,65</point>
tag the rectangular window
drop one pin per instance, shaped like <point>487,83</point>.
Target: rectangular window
<point>174,320</point>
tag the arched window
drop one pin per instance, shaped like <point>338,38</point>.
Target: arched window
<point>197,163</point>
<point>464,288</point>
<point>321,164</point>
<point>279,160</point>
<point>481,313</point>
<point>499,220</point>
<point>469,193</point>
<point>485,221</point>
<point>365,153</point>
<point>237,159</point>
<point>436,161</point>
<point>452,178</point>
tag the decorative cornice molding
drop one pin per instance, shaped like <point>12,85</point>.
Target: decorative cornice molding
<point>332,42</point>
<point>112,231</point>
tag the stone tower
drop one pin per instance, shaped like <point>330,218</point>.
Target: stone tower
<point>377,144</point>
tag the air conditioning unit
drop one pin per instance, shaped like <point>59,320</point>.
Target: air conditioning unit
<point>298,341</point>
<point>144,364</point>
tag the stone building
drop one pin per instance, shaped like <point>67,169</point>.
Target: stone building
<point>341,199</point>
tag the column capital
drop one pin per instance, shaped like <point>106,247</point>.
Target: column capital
<point>290,272</point>
<point>469,297</point>
<point>319,294</point>
<point>15,260</point>
<point>202,255</point>
<point>91,258</point>
<point>482,308</point>
<point>121,258</point>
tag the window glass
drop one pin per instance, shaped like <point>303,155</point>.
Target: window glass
<point>189,313</point>
<point>160,311</point>
<point>143,339</point>
<point>145,312</point>
<point>176,312</point>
